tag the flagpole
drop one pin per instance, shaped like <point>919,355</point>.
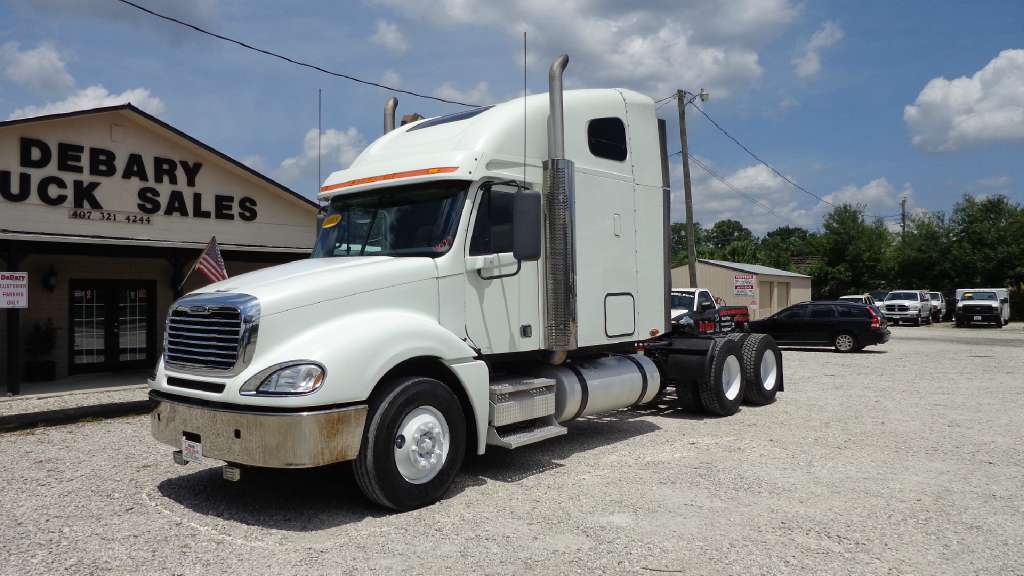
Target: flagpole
<point>196,263</point>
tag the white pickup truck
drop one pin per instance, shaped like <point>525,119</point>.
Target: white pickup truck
<point>697,311</point>
<point>450,309</point>
<point>982,306</point>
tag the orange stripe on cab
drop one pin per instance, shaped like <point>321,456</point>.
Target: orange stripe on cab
<point>392,176</point>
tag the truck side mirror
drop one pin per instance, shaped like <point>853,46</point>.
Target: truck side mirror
<point>526,226</point>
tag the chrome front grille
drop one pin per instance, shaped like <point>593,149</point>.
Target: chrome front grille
<point>211,334</point>
<point>896,308</point>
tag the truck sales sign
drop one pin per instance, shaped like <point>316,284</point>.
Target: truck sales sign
<point>744,284</point>
<point>72,175</point>
<point>13,290</point>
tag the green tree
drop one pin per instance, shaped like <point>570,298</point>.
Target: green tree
<point>920,257</point>
<point>779,246</point>
<point>852,252</point>
<point>987,241</point>
<point>726,232</point>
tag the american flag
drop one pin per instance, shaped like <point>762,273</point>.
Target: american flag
<point>211,264</point>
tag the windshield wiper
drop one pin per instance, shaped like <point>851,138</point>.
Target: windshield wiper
<point>369,230</point>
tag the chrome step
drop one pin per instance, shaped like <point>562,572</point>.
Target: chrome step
<point>520,399</point>
<point>517,436</point>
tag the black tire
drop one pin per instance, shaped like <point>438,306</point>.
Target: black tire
<point>845,342</point>
<point>376,470</point>
<point>761,388</point>
<point>714,396</point>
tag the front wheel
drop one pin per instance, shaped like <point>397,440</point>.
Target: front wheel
<point>413,444</point>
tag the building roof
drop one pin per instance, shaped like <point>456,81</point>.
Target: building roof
<point>145,116</point>
<point>752,268</point>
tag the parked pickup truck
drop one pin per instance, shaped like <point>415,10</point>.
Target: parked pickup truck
<point>982,306</point>
<point>697,311</point>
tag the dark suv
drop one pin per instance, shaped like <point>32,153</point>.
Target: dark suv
<point>844,325</point>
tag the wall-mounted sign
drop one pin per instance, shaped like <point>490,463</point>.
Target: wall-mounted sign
<point>13,290</point>
<point>77,173</point>
<point>743,284</point>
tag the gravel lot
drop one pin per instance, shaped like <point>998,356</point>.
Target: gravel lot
<point>905,459</point>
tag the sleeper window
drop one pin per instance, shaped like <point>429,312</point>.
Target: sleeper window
<point>607,138</point>
<point>492,233</point>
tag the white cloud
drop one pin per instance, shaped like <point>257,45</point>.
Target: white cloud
<point>338,149</point>
<point>41,68</point>
<point>765,201</point>
<point>94,97</point>
<point>479,94</point>
<point>655,47</point>
<point>808,63</point>
<point>254,161</point>
<point>389,37</point>
<point>988,107</point>
<point>993,182</point>
<point>789,102</point>
<point>879,196</point>
<point>391,78</point>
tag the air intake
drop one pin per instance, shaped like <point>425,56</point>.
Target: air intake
<point>211,334</point>
<point>559,228</point>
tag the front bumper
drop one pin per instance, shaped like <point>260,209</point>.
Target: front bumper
<point>267,439</point>
<point>907,315</point>
<point>982,317</point>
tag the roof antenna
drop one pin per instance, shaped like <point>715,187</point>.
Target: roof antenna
<point>525,184</point>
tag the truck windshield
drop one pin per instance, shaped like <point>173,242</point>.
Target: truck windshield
<point>416,220</point>
<point>903,296</point>
<point>935,296</point>
<point>979,296</point>
<point>682,301</point>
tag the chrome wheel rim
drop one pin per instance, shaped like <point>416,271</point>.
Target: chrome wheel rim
<point>844,342</point>
<point>421,446</point>
<point>731,377</point>
<point>769,370</point>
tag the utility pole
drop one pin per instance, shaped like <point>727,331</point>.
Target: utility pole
<point>691,247</point>
<point>903,216</point>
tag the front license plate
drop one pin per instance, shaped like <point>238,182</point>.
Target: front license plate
<point>977,317</point>
<point>191,451</point>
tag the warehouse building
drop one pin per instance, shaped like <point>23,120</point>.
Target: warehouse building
<point>762,289</point>
<point>102,214</point>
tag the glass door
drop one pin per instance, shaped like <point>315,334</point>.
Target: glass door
<point>112,324</point>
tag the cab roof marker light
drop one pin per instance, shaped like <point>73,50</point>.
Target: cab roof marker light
<point>392,176</point>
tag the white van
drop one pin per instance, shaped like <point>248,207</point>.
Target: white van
<point>982,306</point>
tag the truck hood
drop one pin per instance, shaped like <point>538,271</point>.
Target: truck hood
<point>902,302</point>
<point>305,282</point>
<point>992,303</point>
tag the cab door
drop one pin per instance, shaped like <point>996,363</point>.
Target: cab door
<point>502,299</point>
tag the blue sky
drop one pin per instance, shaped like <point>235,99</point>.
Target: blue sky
<point>858,102</point>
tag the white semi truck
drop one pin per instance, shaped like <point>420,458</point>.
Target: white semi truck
<point>450,308</point>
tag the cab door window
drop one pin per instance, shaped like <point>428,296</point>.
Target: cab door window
<point>492,232</point>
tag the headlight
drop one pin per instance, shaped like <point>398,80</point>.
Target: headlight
<point>285,379</point>
<point>915,306</point>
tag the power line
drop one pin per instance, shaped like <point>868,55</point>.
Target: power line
<point>756,157</point>
<point>291,60</point>
<point>729,185</point>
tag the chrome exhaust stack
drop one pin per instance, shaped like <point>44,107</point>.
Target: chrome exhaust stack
<point>560,325</point>
<point>389,114</point>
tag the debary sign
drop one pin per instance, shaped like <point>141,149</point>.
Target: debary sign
<point>13,290</point>
<point>82,171</point>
